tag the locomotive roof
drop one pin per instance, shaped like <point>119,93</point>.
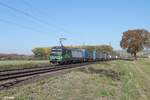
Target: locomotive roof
<point>57,47</point>
<point>60,47</point>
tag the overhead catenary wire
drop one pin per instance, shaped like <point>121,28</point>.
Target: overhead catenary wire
<point>30,16</point>
<point>29,4</point>
<point>20,25</point>
<point>53,20</point>
<point>22,12</point>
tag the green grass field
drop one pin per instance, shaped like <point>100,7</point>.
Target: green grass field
<point>114,80</point>
<point>13,64</point>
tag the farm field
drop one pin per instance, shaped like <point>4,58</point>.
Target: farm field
<point>15,64</point>
<point>113,80</point>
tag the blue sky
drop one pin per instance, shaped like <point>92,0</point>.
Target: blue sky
<point>92,22</point>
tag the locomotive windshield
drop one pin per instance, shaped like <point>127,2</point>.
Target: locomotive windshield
<point>56,51</point>
<point>55,54</point>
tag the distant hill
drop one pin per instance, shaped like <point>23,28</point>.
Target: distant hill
<point>15,57</point>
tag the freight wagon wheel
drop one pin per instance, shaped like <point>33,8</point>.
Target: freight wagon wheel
<point>61,63</point>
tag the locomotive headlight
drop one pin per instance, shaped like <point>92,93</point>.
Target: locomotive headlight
<point>116,57</point>
<point>110,56</point>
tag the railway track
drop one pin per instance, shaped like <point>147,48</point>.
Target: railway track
<point>12,77</point>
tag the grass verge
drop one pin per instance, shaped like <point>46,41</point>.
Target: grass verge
<point>16,64</point>
<point>114,80</point>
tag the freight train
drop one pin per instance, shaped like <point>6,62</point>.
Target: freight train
<point>62,55</point>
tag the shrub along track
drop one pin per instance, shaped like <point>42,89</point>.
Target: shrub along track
<point>10,78</point>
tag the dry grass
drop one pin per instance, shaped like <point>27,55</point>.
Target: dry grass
<point>13,64</point>
<point>115,80</point>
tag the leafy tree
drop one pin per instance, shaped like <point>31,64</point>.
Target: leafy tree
<point>104,48</point>
<point>134,40</point>
<point>41,52</point>
<point>98,48</point>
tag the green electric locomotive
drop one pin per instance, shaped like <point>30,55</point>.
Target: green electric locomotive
<point>60,55</point>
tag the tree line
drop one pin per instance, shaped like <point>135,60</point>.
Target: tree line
<point>41,52</point>
<point>44,52</point>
